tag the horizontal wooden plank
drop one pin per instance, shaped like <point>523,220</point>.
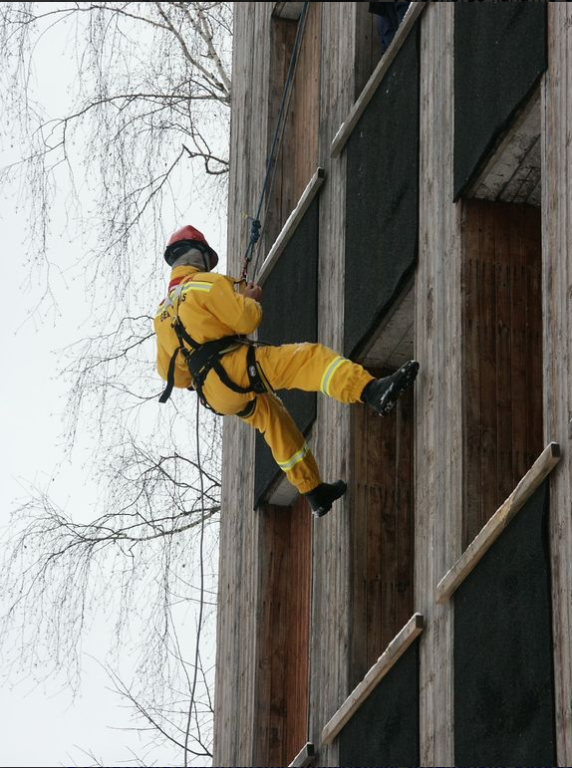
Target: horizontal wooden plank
<point>541,468</point>
<point>382,666</point>
<point>289,227</point>
<point>304,757</point>
<point>346,128</point>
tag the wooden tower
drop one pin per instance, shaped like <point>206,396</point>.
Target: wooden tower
<point>420,208</point>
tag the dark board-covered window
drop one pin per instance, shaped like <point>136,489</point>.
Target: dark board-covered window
<point>500,54</point>
<point>385,729</point>
<point>504,690</point>
<point>290,315</point>
<point>381,531</point>
<point>382,197</point>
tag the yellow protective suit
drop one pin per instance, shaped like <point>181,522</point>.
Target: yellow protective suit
<point>210,307</point>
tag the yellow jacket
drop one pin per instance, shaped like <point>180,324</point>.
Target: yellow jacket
<point>209,306</point>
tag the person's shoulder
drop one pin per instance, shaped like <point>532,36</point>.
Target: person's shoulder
<point>223,281</point>
<point>203,278</point>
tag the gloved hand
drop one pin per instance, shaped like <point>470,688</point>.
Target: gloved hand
<point>252,291</point>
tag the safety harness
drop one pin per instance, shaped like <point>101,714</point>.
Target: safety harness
<point>202,358</point>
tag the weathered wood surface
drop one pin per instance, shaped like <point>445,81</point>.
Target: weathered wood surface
<point>281,703</point>
<point>297,154</point>
<point>392,344</point>
<point>502,349</point>
<point>513,172</point>
<point>381,488</point>
<point>330,599</point>
<point>382,666</point>
<point>368,51</point>
<point>262,47</point>
<point>557,281</point>
<point>487,536</point>
<point>239,534</point>
<point>438,395</point>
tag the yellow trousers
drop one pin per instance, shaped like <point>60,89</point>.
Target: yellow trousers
<point>309,367</point>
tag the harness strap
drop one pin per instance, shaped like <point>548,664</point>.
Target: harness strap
<point>207,356</point>
<point>170,378</point>
<point>258,381</point>
<point>204,357</point>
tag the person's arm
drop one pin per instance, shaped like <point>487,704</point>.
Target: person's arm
<point>240,311</point>
<point>252,291</point>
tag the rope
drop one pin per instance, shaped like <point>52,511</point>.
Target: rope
<point>255,225</point>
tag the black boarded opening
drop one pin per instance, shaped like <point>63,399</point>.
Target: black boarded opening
<point>382,197</point>
<point>504,689</point>
<point>290,307</point>
<point>385,729</point>
<point>500,55</point>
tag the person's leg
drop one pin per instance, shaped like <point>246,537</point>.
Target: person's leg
<point>316,368</point>
<point>289,448</point>
<point>401,9</point>
<point>313,368</point>
<point>291,452</point>
<point>387,22</point>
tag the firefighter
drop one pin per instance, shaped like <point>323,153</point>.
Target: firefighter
<point>201,329</point>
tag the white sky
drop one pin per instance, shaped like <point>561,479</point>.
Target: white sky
<point>40,726</point>
<point>43,725</point>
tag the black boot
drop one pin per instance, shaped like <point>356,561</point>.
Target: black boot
<point>383,394</point>
<point>322,497</point>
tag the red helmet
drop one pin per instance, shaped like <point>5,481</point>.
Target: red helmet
<point>185,237</point>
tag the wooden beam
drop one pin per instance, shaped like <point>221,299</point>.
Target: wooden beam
<point>386,661</point>
<point>346,128</point>
<point>304,757</point>
<point>556,119</point>
<point>289,227</point>
<point>541,468</point>
<point>439,423</point>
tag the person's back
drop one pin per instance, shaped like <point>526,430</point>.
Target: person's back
<point>209,309</point>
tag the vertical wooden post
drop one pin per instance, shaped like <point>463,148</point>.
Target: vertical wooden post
<point>438,438</point>
<point>329,664</point>
<point>557,292</point>
<point>240,525</point>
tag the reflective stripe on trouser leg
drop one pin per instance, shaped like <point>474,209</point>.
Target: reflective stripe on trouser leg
<point>313,368</point>
<point>288,446</point>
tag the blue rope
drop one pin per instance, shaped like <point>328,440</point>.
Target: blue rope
<point>255,225</point>
<point>254,237</point>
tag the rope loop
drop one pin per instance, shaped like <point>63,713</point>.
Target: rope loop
<point>254,230</point>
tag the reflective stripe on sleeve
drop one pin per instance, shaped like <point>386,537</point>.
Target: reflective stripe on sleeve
<point>329,372</point>
<point>196,285</point>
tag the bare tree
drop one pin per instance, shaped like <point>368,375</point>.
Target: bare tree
<point>147,125</point>
<point>142,568</point>
<point>150,554</point>
<point>165,728</point>
<point>151,100</point>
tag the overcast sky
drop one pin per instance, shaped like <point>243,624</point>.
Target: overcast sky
<point>41,725</point>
